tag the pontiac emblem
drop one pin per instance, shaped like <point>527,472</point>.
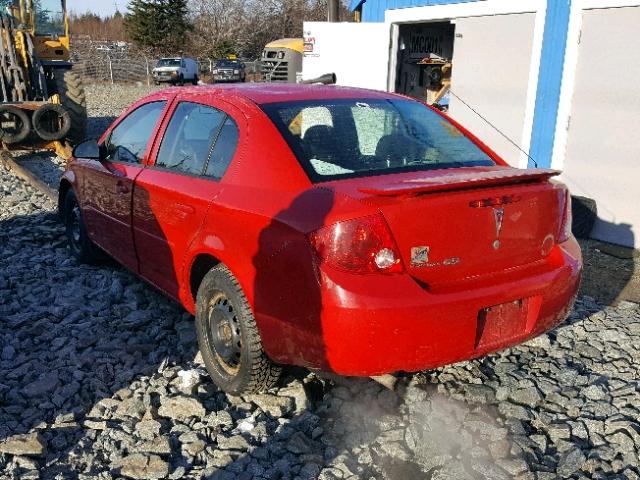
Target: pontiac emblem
<point>498,216</point>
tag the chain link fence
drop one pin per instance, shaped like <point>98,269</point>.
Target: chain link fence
<point>116,62</point>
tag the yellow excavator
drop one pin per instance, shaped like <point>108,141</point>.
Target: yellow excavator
<point>42,101</point>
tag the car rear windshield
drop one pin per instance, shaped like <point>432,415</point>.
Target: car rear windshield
<point>349,138</point>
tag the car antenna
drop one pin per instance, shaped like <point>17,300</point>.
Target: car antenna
<point>535,164</point>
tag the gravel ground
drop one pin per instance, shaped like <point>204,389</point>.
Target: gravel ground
<point>100,378</point>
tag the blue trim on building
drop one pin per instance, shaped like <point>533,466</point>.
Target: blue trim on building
<point>373,10</point>
<point>551,64</point>
<point>554,43</point>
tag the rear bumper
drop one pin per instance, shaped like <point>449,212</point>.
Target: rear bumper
<point>391,323</point>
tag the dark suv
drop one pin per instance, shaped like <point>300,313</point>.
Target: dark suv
<point>229,71</point>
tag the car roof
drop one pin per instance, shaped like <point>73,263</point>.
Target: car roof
<point>264,93</point>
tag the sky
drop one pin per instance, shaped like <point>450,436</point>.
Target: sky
<point>103,8</point>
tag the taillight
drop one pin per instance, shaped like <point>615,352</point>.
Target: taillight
<point>362,245</point>
<point>565,226</point>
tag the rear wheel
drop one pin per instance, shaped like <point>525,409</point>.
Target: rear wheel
<point>195,80</point>
<point>81,246</point>
<point>72,97</point>
<point>228,336</point>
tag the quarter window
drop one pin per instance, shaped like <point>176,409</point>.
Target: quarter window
<point>199,140</point>
<point>224,149</point>
<point>128,140</point>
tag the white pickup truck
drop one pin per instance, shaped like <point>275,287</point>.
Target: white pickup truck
<point>176,70</point>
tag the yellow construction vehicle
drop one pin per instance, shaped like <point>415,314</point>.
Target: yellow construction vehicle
<point>42,101</point>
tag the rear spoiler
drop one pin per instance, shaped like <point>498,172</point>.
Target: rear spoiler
<point>461,181</point>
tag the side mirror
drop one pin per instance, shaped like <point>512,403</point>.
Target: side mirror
<point>88,149</point>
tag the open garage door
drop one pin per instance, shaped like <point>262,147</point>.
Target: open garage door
<point>358,53</point>
<point>603,138</point>
<point>491,64</point>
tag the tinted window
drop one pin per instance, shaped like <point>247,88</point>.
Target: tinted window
<point>228,64</point>
<point>339,138</point>
<point>128,141</point>
<point>223,150</point>
<point>188,138</point>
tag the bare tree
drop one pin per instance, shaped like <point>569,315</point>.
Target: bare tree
<point>247,25</point>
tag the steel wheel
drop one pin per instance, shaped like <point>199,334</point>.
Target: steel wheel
<point>228,336</point>
<point>224,332</point>
<point>74,225</point>
<point>80,244</point>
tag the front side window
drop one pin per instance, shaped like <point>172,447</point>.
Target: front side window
<point>346,138</point>
<point>128,140</point>
<point>49,17</point>
<point>196,141</point>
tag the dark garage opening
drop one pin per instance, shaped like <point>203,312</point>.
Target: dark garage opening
<point>423,60</point>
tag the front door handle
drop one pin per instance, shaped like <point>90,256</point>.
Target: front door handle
<point>121,187</point>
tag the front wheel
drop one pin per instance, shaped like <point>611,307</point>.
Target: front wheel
<point>81,246</point>
<point>181,81</point>
<point>195,80</point>
<point>228,336</point>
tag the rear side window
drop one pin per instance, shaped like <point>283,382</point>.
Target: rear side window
<point>349,138</point>
<point>192,138</point>
<point>223,150</point>
<point>128,140</point>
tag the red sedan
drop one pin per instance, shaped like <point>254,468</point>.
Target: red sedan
<point>340,229</point>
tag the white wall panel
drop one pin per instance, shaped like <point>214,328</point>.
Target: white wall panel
<point>603,140</point>
<point>358,53</point>
<point>491,72</point>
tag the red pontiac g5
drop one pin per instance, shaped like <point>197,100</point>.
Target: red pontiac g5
<point>340,229</point>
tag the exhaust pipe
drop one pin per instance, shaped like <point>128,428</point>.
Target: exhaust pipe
<point>326,79</point>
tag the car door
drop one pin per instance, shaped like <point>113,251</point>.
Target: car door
<point>107,184</point>
<point>173,194</point>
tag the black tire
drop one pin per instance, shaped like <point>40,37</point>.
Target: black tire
<point>51,122</point>
<point>232,351</point>
<point>15,126</point>
<point>584,212</point>
<point>195,80</point>
<point>81,246</point>
<point>156,82</point>
<point>181,81</point>
<point>72,97</point>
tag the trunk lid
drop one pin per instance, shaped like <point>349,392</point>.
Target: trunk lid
<point>463,223</point>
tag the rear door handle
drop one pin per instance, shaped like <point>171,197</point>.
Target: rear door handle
<point>121,187</point>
